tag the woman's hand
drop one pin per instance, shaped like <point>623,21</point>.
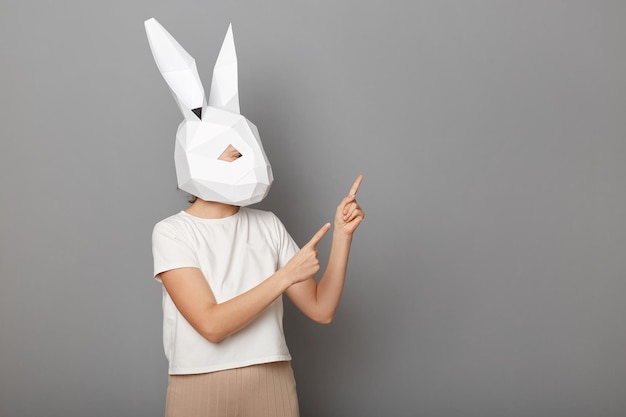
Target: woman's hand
<point>304,264</point>
<point>349,214</point>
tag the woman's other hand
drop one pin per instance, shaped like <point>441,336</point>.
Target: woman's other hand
<point>349,214</point>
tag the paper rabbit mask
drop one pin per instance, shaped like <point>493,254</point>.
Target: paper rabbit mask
<point>208,130</point>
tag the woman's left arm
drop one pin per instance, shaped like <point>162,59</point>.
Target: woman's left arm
<point>319,300</point>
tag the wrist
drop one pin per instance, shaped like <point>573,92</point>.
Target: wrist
<point>342,236</point>
<point>283,279</point>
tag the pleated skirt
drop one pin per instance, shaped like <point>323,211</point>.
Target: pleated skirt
<point>264,390</point>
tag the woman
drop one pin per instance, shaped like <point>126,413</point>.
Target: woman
<point>224,267</point>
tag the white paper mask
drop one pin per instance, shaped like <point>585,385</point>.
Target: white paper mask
<point>208,130</point>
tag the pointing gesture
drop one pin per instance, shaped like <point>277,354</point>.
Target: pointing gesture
<point>349,214</point>
<point>319,300</point>
<point>304,264</point>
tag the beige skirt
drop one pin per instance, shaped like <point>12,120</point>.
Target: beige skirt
<point>264,390</point>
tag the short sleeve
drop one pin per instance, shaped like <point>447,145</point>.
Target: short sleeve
<point>170,251</point>
<point>287,246</point>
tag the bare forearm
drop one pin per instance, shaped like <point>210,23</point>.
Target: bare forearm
<point>224,319</point>
<point>330,286</point>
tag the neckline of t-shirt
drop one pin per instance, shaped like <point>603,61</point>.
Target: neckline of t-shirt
<point>213,221</point>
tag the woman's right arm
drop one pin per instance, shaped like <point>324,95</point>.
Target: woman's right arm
<point>215,321</point>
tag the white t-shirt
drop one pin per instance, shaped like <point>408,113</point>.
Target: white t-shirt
<point>235,254</point>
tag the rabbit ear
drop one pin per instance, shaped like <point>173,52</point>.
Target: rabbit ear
<point>178,68</point>
<point>224,85</point>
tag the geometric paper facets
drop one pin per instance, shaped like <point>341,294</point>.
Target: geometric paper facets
<point>200,142</point>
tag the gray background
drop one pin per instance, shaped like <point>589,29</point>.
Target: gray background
<point>489,278</point>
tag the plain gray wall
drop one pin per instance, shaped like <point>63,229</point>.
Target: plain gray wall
<point>489,277</point>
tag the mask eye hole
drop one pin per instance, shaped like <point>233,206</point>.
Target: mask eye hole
<point>230,154</point>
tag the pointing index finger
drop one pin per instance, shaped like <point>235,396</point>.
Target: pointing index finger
<point>355,186</point>
<point>318,235</point>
